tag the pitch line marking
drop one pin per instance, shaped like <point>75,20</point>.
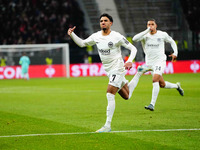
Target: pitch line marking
<point>79,133</point>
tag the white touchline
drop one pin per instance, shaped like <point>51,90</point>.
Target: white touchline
<point>78,133</point>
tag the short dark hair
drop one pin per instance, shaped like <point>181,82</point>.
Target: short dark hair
<point>106,15</point>
<point>152,19</point>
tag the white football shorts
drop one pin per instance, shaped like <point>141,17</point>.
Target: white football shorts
<point>158,68</point>
<point>117,80</point>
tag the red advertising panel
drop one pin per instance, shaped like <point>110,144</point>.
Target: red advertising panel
<point>47,71</point>
<point>35,71</point>
<point>191,66</point>
<point>95,69</point>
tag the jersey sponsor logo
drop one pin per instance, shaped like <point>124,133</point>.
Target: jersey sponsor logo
<point>153,45</point>
<point>126,41</point>
<point>104,52</point>
<point>110,44</point>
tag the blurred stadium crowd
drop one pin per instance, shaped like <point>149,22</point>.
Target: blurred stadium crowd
<point>38,21</point>
<point>192,11</point>
<point>47,21</point>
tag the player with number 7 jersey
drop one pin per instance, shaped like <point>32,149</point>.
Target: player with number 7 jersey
<point>109,44</point>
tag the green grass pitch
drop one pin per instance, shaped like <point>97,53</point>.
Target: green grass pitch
<point>78,105</point>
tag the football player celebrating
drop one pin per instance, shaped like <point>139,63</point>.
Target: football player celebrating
<point>109,48</point>
<point>153,43</point>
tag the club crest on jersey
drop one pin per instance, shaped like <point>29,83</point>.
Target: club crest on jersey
<point>110,44</point>
<point>159,39</point>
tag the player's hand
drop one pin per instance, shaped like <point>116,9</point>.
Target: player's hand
<point>173,57</point>
<point>70,30</point>
<point>128,65</point>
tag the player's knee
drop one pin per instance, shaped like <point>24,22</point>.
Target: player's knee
<point>155,80</point>
<point>126,98</point>
<point>162,85</point>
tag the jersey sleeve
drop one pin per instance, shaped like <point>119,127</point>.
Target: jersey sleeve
<point>140,36</point>
<point>125,43</point>
<point>89,40</point>
<point>82,43</point>
<point>172,42</point>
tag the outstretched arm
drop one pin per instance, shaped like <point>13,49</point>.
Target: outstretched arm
<point>140,35</point>
<point>70,30</point>
<point>75,38</point>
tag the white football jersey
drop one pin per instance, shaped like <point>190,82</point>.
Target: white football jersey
<point>154,46</point>
<point>109,49</point>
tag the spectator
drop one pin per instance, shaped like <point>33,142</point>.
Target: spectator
<point>3,61</point>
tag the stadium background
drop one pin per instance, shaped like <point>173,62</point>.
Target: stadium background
<point>47,21</point>
<point>61,113</point>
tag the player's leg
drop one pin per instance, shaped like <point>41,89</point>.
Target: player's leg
<point>162,83</point>
<point>112,89</point>
<point>158,70</point>
<point>27,76</point>
<point>124,88</point>
<point>179,89</point>
<point>22,74</point>
<point>156,88</point>
<point>124,92</point>
<point>169,85</point>
<point>144,68</point>
<point>155,92</point>
<point>133,83</point>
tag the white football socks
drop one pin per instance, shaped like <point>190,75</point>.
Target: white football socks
<point>169,85</point>
<point>110,109</point>
<point>133,83</point>
<point>155,92</point>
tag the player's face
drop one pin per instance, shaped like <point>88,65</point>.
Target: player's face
<point>105,23</point>
<point>152,26</point>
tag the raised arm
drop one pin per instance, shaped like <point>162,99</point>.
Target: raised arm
<point>140,35</point>
<point>79,41</point>
<point>75,38</point>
